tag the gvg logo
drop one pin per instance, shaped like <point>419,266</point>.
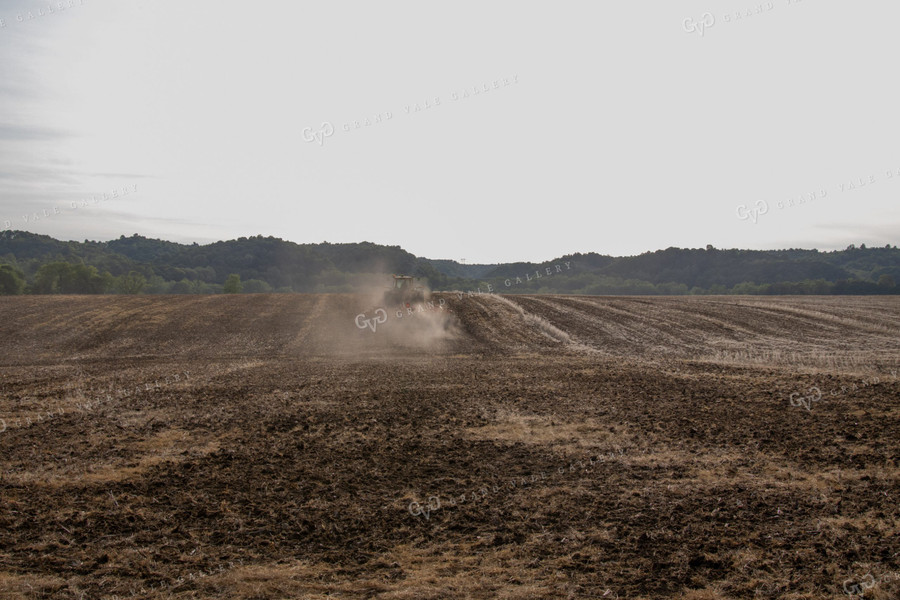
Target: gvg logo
<point>319,135</point>
<point>760,208</point>
<point>858,589</point>
<point>705,22</point>
<point>416,509</point>
<point>381,314</point>
<point>374,321</point>
<point>815,394</point>
<point>853,588</point>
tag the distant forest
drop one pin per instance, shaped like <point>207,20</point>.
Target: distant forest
<point>39,264</point>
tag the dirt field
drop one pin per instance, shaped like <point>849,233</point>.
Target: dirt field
<point>281,446</point>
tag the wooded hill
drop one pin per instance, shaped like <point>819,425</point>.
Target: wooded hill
<point>32,263</point>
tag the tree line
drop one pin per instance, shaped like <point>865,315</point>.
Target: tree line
<point>37,264</point>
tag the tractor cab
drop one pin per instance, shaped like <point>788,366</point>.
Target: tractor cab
<point>404,290</point>
<point>403,282</point>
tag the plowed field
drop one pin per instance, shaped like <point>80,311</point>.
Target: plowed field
<point>299,446</point>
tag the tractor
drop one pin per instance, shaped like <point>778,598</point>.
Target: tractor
<point>405,291</point>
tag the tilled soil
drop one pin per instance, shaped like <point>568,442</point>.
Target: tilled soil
<point>267,446</point>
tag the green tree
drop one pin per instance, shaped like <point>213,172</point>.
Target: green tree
<point>12,281</point>
<point>182,287</point>
<point>256,286</point>
<point>233,284</point>
<point>133,283</point>
<point>156,285</point>
<point>65,278</point>
<point>886,281</point>
<point>48,278</point>
<point>84,279</point>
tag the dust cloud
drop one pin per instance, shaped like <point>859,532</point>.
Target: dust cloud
<point>362,324</point>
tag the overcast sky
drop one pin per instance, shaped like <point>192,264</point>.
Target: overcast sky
<point>613,127</point>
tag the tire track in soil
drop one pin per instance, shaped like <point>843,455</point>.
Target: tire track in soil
<point>606,328</point>
<point>288,456</point>
<point>495,326</point>
<point>305,325</point>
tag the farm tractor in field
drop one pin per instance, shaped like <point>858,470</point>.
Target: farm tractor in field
<point>405,291</point>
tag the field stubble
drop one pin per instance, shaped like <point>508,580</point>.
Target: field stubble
<point>594,448</point>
